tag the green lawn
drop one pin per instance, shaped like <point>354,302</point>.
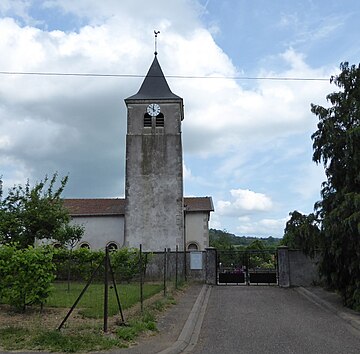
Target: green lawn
<point>92,302</point>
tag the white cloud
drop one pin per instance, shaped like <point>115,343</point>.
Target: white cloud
<point>138,14</point>
<point>187,173</point>
<point>262,228</point>
<point>244,202</point>
<point>307,182</point>
<point>215,222</point>
<point>77,125</point>
<point>15,7</point>
<point>233,118</point>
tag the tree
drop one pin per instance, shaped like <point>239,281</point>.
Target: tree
<point>336,144</point>
<point>256,245</point>
<point>69,235</point>
<point>302,232</point>
<point>221,240</point>
<point>30,213</point>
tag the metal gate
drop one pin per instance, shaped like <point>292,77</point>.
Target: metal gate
<point>250,267</point>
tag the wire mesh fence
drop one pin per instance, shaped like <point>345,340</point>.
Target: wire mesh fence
<point>100,284</point>
<point>88,284</point>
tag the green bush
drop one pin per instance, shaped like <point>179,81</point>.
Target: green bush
<point>25,275</point>
<point>79,264</point>
<point>76,264</point>
<point>125,263</point>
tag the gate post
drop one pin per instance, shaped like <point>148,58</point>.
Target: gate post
<point>210,266</point>
<point>283,266</point>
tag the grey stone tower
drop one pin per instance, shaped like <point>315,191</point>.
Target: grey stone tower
<point>154,215</point>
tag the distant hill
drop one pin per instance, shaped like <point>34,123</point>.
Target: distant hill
<point>223,240</point>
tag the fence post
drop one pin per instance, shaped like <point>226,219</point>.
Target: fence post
<point>176,267</point>
<point>116,292</point>
<point>211,266</point>
<point>69,270</point>
<point>185,266</point>
<point>284,266</point>
<point>106,288</point>
<point>141,281</point>
<point>165,270</point>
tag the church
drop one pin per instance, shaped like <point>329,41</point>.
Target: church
<point>154,213</point>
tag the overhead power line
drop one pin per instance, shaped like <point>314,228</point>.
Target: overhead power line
<point>167,76</point>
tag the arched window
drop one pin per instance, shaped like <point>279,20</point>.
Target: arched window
<point>112,246</point>
<point>193,247</point>
<point>85,245</point>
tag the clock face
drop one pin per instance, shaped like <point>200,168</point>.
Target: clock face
<point>153,109</point>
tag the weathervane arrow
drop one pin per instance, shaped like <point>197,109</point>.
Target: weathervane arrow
<point>156,34</point>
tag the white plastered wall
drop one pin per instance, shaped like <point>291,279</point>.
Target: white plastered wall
<point>101,230</point>
<point>197,229</point>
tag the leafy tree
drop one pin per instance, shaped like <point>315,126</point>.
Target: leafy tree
<point>221,240</point>
<point>265,259</point>
<point>69,235</point>
<point>336,144</point>
<point>302,232</point>
<point>225,239</point>
<point>28,213</point>
<point>256,245</point>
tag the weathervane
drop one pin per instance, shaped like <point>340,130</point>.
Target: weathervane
<point>156,34</point>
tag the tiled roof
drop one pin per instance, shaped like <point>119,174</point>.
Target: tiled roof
<point>198,204</point>
<point>92,207</point>
<point>102,207</point>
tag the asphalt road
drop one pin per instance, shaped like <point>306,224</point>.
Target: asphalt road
<point>260,319</point>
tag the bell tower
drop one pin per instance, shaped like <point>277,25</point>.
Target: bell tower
<point>154,215</point>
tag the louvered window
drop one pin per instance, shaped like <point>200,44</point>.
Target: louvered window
<point>160,121</point>
<point>147,121</point>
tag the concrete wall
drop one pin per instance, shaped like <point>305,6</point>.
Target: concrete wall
<point>197,229</point>
<point>303,269</point>
<point>154,180</point>
<point>296,269</point>
<point>101,230</point>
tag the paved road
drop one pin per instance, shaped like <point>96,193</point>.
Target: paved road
<point>271,320</point>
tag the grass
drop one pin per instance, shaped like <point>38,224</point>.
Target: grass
<point>16,338</point>
<point>36,331</point>
<point>91,304</point>
<point>146,322</point>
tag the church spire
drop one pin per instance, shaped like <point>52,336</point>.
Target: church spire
<point>154,85</point>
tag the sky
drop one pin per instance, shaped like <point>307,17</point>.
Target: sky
<point>247,127</point>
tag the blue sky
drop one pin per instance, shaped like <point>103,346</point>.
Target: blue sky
<point>247,142</point>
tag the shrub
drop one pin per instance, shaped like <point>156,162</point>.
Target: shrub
<point>125,263</point>
<point>25,275</point>
<point>76,264</point>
